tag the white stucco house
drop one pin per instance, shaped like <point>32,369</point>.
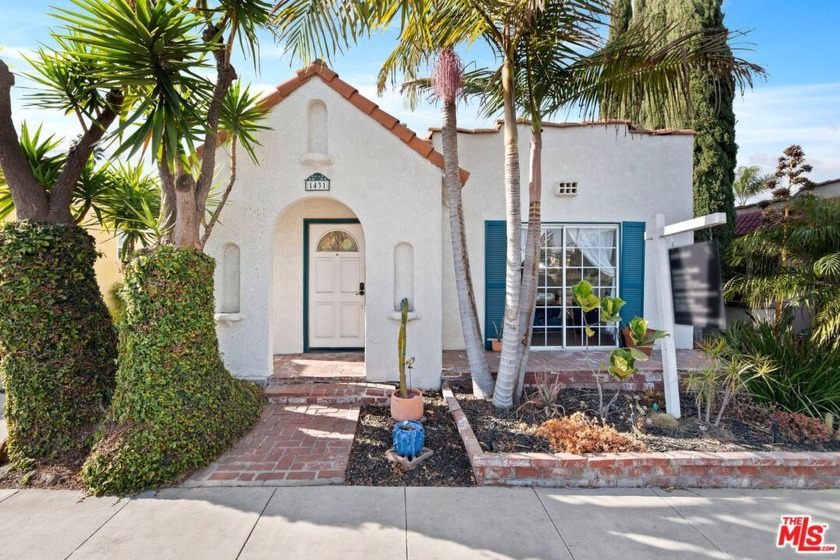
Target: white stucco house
<point>345,215</point>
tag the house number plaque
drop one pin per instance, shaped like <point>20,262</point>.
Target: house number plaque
<point>317,182</point>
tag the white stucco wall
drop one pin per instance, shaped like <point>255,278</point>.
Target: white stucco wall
<point>393,191</point>
<point>621,176</point>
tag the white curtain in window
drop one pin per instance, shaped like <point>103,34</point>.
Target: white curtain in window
<point>598,246</point>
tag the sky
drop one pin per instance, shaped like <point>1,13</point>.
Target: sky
<point>794,40</point>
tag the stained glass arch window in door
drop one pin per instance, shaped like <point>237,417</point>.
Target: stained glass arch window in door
<point>337,241</point>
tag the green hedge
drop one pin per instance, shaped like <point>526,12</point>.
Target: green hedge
<point>57,341</point>
<point>175,407</point>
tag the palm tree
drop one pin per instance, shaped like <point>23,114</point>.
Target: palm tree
<point>120,198</point>
<point>69,343</point>
<point>749,182</point>
<point>561,60</point>
<point>793,260</point>
<point>551,51</point>
<point>447,82</point>
<point>301,29</point>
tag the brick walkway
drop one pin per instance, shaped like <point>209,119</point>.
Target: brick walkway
<point>306,431</point>
<point>291,445</point>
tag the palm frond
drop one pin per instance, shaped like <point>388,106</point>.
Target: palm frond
<point>241,118</point>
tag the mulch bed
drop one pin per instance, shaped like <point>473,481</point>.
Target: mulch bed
<point>449,466</point>
<point>745,427</point>
<point>54,477</point>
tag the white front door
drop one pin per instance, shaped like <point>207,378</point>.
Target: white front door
<point>336,280</point>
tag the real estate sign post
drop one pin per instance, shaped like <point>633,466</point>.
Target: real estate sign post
<point>696,285</point>
<point>659,241</point>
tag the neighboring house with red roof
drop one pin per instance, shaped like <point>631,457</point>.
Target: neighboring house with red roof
<point>750,215</point>
<point>346,215</point>
<point>750,218</point>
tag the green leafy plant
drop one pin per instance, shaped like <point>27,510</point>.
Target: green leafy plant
<point>175,407</point>
<point>641,335</point>
<point>805,378</point>
<point>499,331</point>
<point>622,361</point>
<point>57,342</point>
<point>793,260</point>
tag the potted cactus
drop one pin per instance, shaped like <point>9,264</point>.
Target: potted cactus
<point>406,403</point>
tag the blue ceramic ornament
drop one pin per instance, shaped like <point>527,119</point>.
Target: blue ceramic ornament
<point>409,437</point>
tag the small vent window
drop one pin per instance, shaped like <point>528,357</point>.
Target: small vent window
<point>565,189</point>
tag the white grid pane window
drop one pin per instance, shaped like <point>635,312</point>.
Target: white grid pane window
<point>568,254</point>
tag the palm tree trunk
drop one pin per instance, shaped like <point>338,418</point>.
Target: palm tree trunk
<point>532,252</point>
<point>479,369</point>
<point>507,376</point>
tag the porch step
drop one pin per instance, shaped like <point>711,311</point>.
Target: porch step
<point>319,379</point>
<point>329,393</point>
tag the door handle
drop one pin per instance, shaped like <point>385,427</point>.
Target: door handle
<point>361,291</point>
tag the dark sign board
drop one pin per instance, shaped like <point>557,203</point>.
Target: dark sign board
<point>696,285</point>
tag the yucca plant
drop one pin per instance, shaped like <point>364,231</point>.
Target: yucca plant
<point>806,378</point>
<point>729,373</point>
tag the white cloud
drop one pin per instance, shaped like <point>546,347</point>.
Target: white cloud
<point>14,56</point>
<point>772,118</point>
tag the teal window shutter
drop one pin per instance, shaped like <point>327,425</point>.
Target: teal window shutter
<point>632,274</point>
<point>495,259</point>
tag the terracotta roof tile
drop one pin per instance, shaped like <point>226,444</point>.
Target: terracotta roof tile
<point>362,103</point>
<point>748,222</point>
<point>318,68</point>
<point>421,147</point>
<point>405,134</point>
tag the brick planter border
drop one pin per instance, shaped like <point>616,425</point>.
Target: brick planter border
<point>692,469</point>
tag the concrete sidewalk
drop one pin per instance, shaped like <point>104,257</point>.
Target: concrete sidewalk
<point>339,522</point>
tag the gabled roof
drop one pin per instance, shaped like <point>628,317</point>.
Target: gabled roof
<point>362,103</point>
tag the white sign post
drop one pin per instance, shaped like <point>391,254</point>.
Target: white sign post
<point>659,244</point>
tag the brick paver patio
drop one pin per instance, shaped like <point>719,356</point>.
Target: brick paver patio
<point>290,445</point>
<point>306,431</point>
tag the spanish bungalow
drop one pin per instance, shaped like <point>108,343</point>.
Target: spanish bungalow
<point>345,215</point>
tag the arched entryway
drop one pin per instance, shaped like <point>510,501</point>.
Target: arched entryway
<point>318,296</point>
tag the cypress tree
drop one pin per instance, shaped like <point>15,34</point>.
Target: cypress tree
<point>710,113</point>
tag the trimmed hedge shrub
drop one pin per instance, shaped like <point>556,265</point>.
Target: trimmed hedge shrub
<point>57,342</point>
<point>176,407</point>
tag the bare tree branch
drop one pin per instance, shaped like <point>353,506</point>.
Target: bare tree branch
<point>231,180</point>
<point>29,197</point>
<point>79,155</point>
<point>225,75</point>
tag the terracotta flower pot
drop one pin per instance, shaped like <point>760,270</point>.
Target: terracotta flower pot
<point>628,341</point>
<point>407,409</point>
<point>496,345</point>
